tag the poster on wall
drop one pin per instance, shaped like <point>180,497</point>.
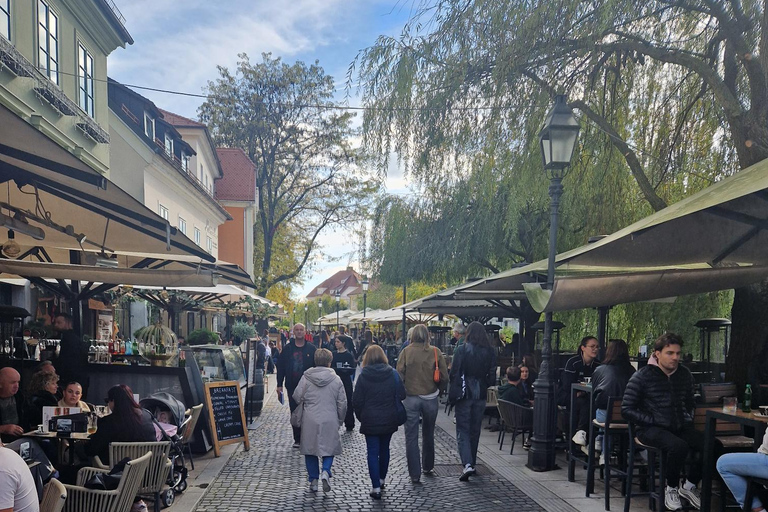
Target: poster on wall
<point>104,327</point>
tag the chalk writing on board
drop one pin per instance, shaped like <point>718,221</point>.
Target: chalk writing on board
<point>227,415</point>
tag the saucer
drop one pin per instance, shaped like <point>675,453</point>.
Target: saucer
<point>760,414</point>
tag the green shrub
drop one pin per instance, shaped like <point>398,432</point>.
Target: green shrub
<point>202,337</point>
<point>243,331</point>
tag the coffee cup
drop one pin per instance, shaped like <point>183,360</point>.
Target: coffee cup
<point>40,428</point>
<point>764,410</point>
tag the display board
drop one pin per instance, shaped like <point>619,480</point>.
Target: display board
<point>226,414</point>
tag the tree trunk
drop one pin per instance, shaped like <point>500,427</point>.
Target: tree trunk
<point>748,334</point>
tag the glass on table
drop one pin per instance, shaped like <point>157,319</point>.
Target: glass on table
<point>730,404</point>
<point>92,420</point>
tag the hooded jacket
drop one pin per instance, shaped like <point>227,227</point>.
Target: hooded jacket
<point>322,395</point>
<point>653,399</point>
<point>374,399</point>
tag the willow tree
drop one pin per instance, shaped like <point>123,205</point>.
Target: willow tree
<point>673,90</point>
<point>308,176</point>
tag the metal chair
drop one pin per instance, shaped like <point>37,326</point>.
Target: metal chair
<point>752,484</point>
<point>188,430</point>
<point>655,496</point>
<point>615,426</point>
<point>515,418</point>
<point>80,499</point>
<point>54,496</point>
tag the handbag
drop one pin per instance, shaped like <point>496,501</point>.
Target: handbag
<point>297,415</point>
<point>401,414</point>
<point>436,373</point>
<point>107,481</point>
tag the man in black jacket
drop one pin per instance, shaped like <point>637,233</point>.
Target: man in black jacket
<point>659,401</point>
<point>296,357</point>
<point>72,362</point>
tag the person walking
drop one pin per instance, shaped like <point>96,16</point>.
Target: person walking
<point>375,400</point>
<point>297,357</point>
<point>344,365</point>
<point>472,371</point>
<point>418,365</point>
<point>321,407</point>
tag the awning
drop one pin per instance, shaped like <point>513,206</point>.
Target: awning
<point>46,187</point>
<point>222,293</point>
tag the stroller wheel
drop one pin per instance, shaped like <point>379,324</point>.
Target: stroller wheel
<point>167,497</point>
<point>181,486</point>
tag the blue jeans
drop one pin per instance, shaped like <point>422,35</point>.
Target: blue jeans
<point>426,410</point>
<point>469,423</point>
<point>312,466</point>
<point>378,457</point>
<point>601,415</point>
<point>734,467</point>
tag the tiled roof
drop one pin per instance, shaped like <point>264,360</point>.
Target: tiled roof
<point>346,281</point>
<point>238,181</point>
<point>180,121</point>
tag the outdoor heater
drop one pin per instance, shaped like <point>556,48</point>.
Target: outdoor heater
<point>557,140</point>
<point>713,333</point>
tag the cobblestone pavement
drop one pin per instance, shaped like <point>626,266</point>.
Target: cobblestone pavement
<point>272,476</point>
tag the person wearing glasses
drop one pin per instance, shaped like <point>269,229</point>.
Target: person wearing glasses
<point>128,423</point>
<point>577,368</point>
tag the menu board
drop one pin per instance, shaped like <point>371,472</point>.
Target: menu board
<point>226,414</point>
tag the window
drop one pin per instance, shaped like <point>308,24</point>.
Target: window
<point>209,244</point>
<point>149,126</point>
<point>182,225</point>
<point>47,41</point>
<point>85,79</point>
<point>5,19</point>
<point>168,145</point>
<point>197,236</point>
<point>201,173</point>
<point>163,212</point>
<point>185,162</point>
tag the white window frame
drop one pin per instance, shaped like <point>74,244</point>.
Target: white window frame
<point>48,50</point>
<point>182,225</point>
<point>85,91</point>
<point>168,145</point>
<point>209,244</point>
<point>185,162</point>
<point>5,12</point>
<point>163,211</point>
<point>197,236</point>
<point>149,126</point>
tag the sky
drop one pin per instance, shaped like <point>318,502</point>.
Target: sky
<point>179,44</point>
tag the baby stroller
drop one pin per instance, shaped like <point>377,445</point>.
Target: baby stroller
<point>167,410</point>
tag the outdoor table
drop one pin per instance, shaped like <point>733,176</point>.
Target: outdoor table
<point>575,388</point>
<point>747,419</point>
<point>74,437</point>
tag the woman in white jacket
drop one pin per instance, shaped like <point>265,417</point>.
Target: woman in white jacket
<point>322,406</point>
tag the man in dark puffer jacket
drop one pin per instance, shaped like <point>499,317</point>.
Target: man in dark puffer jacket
<point>659,400</point>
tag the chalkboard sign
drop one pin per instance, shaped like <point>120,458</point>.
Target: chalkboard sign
<point>226,414</point>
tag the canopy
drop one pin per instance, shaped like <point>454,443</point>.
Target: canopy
<point>395,315</point>
<point>76,207</point>
<point>222,293</point>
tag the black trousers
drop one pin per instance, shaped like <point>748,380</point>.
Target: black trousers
<point>349,420</point>
<point>581,412</point>
<point>293,405</point>
<point>676,446</point>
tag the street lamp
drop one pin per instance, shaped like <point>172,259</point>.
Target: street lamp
<point>293,312</point>
<point>320,309</point>
<point>558,141</point>
<point>338,299</point>
<point>365,298</point>
<point>306,312</point>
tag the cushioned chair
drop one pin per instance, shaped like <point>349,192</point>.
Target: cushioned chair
<point>157,471</point>
<point>80,499</point>
<point>54,496</point>
<point>515,419</point>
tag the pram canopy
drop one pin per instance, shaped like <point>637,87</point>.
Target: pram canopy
<point>165,401</point>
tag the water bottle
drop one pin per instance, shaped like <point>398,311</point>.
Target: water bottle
<point>747,399</point>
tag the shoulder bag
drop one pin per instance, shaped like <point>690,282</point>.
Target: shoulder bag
<point>436,373</point>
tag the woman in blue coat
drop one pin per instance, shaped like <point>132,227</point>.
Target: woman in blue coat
<point>376,391</point>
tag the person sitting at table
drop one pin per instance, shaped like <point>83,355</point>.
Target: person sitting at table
<point>73,392</point>
<point>736,467</point>
<point>128,423</point>
<point>526,387</point>
<point>659,400</point>
<point>609,380</point>
<point>511,391</point>
<point>43,394</point>
<point>13,407</point>
<point>18,492</point>
<point>576,369</point>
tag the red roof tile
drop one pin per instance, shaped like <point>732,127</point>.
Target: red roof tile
<point>238,182</point>
<point>180,121</point>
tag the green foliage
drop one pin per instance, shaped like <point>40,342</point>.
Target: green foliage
<point>309,177</point>
<point>243,330</point>
<point>202,337</point>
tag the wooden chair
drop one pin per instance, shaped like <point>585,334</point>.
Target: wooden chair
<point>157,471</point>
<point>515,418</point>
<point>614,427</point>
<point>80,499</point>
<point>54,496</point>
<point>655,488</point>
<point>713,394</point>
<point>185,433</point>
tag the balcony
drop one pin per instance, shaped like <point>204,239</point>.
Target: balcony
<point>14,61</point>
<point>50,92</point>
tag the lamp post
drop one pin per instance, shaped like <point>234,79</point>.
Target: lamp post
<point>558,141</point>
<point>293,312</point>
<point>320,309</point>
<point>306,312</point>
<point>338,299</point>
<point>365,299</point>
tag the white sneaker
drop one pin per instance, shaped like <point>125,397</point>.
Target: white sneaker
<point>672,499</point>
<point>598,444</point>
<point>467,472</point>
<point>692,495</point>
<point>580,437</point>
<point>326,479</point>
<point>296,445</point>
<point>602,459</point>
<point>585,450</point>
<point>313,485</point>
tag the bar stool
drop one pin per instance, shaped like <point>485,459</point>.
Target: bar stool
<point>614,426</point>
<point>655,496</point>
<point>752,483</point>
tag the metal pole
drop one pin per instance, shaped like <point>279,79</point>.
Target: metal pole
<point>602,330</point>
<point>541,456</point>
<point>404,289</point>
<point>337,315</point>
<point>365,297</point>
